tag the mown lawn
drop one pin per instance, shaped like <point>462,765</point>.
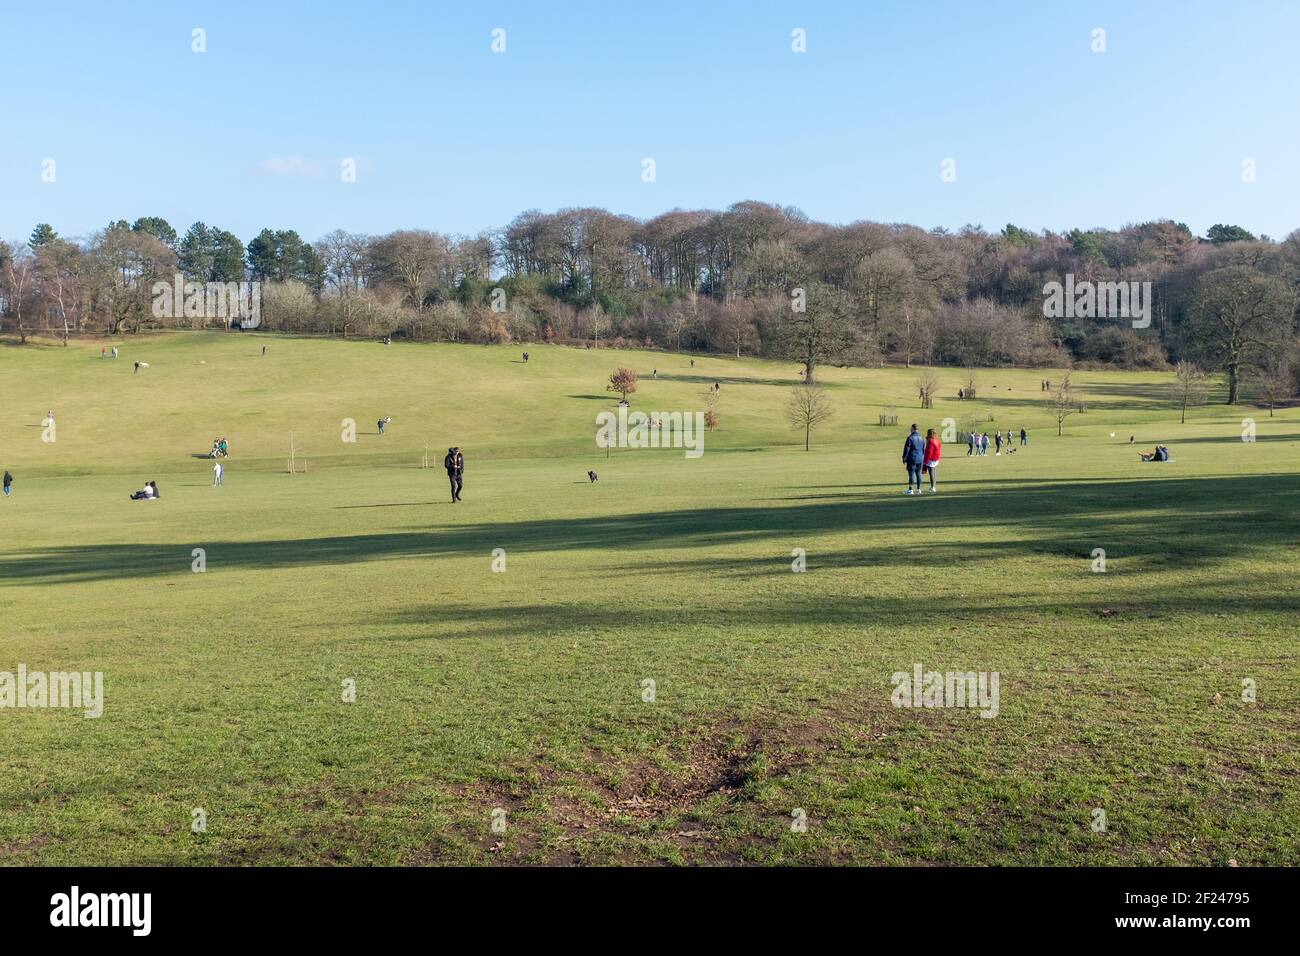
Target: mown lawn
<point>523,691</point>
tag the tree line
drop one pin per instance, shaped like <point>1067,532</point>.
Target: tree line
<point>752,279</point>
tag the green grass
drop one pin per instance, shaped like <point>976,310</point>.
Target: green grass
<point>523,690</point>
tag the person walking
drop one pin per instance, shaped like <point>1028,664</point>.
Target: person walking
<point>380,423</point>
<point>997,443</point>
<point>970,444</point>
<point>455,465</point>
<point>218,474</point>
<point>933,449</point>
<point>9,481</point>
<point>984,443</point>
<point>914,459</point>
<point>1024,438</point>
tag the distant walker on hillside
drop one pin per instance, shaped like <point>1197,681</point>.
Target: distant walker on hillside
<point>454,462</point>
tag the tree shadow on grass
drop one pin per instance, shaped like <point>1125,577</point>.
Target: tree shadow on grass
<point>851,613</point>
<point>1230,440</point>
<point>1213,517</point>
<point>725,380</point>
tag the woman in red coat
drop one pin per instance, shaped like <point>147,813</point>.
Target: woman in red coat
<point>933,449</point>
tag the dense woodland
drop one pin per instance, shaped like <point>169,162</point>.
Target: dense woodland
<point>728,282</point>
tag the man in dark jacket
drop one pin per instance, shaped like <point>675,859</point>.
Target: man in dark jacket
<point>455,465</point>
<point>914,459</point>
<point>9,480</point>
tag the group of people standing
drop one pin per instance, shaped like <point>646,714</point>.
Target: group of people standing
<point>978,444</point>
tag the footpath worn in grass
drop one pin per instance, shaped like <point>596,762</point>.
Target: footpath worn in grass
<point>525,690</point>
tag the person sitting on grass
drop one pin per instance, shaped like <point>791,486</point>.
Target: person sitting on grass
<point>147,493</point>
<point>1161,453</point>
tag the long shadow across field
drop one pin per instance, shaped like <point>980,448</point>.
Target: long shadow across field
<point>1188,519</point>
<point>847,612</point>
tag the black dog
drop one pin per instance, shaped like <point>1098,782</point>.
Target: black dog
<point>591,476</point>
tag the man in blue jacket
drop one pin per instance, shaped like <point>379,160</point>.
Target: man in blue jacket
<point>914,459</point>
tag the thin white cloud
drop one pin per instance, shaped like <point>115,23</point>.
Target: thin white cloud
<point>291,166</point>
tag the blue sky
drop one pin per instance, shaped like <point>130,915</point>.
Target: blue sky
<point>450,136</point>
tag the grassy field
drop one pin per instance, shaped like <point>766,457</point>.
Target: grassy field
<point>524,691</point>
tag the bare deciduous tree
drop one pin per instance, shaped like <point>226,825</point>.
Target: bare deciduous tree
<point>16,270</point>
<point>807,408</point>
<point>1236,318</point>
<point>926,386</point>
<point>1063,403</point>
<point>1190,387</point>
<point>1274,381</point>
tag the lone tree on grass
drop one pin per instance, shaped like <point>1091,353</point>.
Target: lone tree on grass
<point>1190,387</point>
<point>622,381</point>
<point>808,407</point>
<point>1273,382</point>
<point>1063,404</point>
<point>1235,316</point>
<point>926,385</point>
